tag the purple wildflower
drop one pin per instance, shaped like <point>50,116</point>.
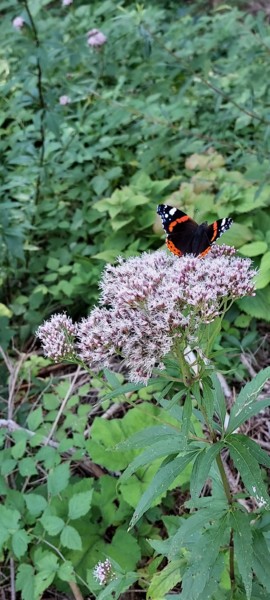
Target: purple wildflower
<point>63,100</point>
<point>66,2</point>
<point>18,23</point>
<point>96,38</point>
<point>103,572</point>
<point>57,337</point>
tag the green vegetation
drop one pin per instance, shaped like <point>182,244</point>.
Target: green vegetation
<point>173,106</point>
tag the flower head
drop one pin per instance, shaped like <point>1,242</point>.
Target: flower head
<point>152,304</point>
<point>66,2</point>
<point>96,38</point>
<point>64,100</point>
<point>57,337</point>
<point>18,23</point>
<point>103,572</point>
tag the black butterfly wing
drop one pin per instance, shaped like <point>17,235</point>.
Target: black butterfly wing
<point>180,229</point>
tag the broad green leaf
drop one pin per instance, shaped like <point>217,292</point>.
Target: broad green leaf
<point>27,466</point>
<point>35,503</point>
<point>9,519</point>
<point>249,469</point>
<point>201,467</point>
<point>52,524</point>
<point>161,482</point>
<point>172,445</point>
<point>208,401</point>
<point>165,580</point>
<point>66,572</point>
<point>257,306</point>
<point>243,547</point>
<point>245,404</point>
<point>19,542</point>
<point>25,581</point>
<point>35,418</point>
<point>70,538</point>
<point>253,249</point>
<point>58,479</point>
<point>79,505</point>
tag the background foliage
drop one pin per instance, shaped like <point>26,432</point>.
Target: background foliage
<point>174,107</point>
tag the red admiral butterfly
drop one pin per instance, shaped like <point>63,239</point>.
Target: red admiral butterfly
<point>185,236</point>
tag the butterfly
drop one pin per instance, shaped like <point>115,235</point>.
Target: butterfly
<point>185,236</point>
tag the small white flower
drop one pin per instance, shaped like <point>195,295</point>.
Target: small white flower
<point>96,38</point>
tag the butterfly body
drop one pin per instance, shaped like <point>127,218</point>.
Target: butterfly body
<point>185,236</point>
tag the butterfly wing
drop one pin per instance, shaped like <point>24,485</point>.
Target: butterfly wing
<point>180,229</point>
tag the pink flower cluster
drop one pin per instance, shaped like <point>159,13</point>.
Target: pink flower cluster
<point>103,572</point>
<point>151,305</point>
<point>96,38</point>
<point>57,337</point>
<point>18,23</point>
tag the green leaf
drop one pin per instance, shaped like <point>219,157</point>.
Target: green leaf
<point>9,519</point>
<point>259,454</point>
<point>53,525</point>
<point>66,572</point>
<point>58,479</point>
<point>248,468</point>
<point>19,542</point>
<point>186,417</point>
<point>196,522</point>
<point>164,477</point>
<point>240,523</point>
<point>253,249</point>
<point>172,445</point>
<point>219,400</point>
<point>70,538</point>
<point>27,467</point>
<point>35,503</point>
<point>35,418</point>
<point>203,560</point>
<point>79,505</point>
<point>201,467</point>
<point>165,580</point>
<point>148,436</point>
<point>261,559</point>
<point>25,581</point>
<point>245,404</point>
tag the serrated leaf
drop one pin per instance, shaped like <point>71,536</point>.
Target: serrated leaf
<point>19,542</point>
<point>58,479</point>
<point>148,436</point>
<point>248,468</point>
<point>79,505</point>
<point>201,467</point>
<point>259,454</point>
<point>165,580</point>
<point>25,581</point>
<point>53,525</point>
<point>261,559</point>
<point>35,418</point>
<point>243,547</point>
<point>164,477</point>
<point>66,572</point>
<point>203,560</point>
<point>35,503</point>
<point>195,522</point>
<point>172,445</point>
<point>186,417</point>
<point>70,538</point>
<point>245,404</point>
